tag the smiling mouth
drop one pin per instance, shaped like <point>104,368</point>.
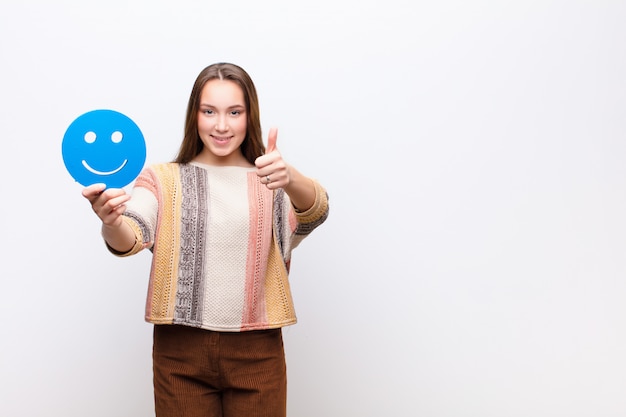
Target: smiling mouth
<point>95,171</point>
<point>221,138</point>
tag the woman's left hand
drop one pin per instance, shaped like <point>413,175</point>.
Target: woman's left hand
<point>271,168</point>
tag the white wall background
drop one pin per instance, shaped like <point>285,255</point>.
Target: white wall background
<point>474,263</point>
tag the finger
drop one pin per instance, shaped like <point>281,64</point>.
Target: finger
<point>111,209</point>
<point>114,216</point>
<point>109,200</point>
<point>271,139</point>
<point>118,201</point>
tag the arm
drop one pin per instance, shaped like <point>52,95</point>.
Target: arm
<point>300,190</point>
<point>109,205</point>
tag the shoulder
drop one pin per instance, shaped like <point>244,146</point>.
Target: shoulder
<point>159,173</point>
<point>164,166</point>
<point>163,170</point>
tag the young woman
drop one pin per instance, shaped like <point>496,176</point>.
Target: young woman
<point>221,222</point>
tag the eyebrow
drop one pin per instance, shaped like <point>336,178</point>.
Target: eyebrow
<point>236,106</point>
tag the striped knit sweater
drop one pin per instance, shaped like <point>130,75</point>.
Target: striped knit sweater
<point>221,245</point>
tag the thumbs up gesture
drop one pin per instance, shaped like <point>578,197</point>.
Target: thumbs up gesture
<point>271,168</point>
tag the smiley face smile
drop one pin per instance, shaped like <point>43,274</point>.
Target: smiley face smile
<point>95,171</point>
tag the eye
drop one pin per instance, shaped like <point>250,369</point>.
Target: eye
<point>207,112</point>
<point>116,137</point>
<point>90,137</point>
<point>235,112</point>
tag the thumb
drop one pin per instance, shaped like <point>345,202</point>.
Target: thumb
<point>271,140</point>
<point>93,191</point>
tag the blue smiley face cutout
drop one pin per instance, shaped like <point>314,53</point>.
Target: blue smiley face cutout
<point>104,146</point>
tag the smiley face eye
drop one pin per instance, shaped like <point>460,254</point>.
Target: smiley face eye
<point>90,137</point>
<point>116,137</point>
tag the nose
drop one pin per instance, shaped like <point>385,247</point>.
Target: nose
<point>221,124</point>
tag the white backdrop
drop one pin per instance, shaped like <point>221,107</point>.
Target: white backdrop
<point>474,262</point>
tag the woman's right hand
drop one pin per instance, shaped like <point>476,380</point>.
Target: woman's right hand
<point>108,204</point>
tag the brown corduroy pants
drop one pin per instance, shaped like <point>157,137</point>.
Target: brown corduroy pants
<point>201,373</point>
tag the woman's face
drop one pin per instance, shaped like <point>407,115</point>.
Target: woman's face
<point>222,123</point>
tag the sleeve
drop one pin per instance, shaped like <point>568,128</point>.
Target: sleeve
<point>309,220</point>
<point>141,213</point>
